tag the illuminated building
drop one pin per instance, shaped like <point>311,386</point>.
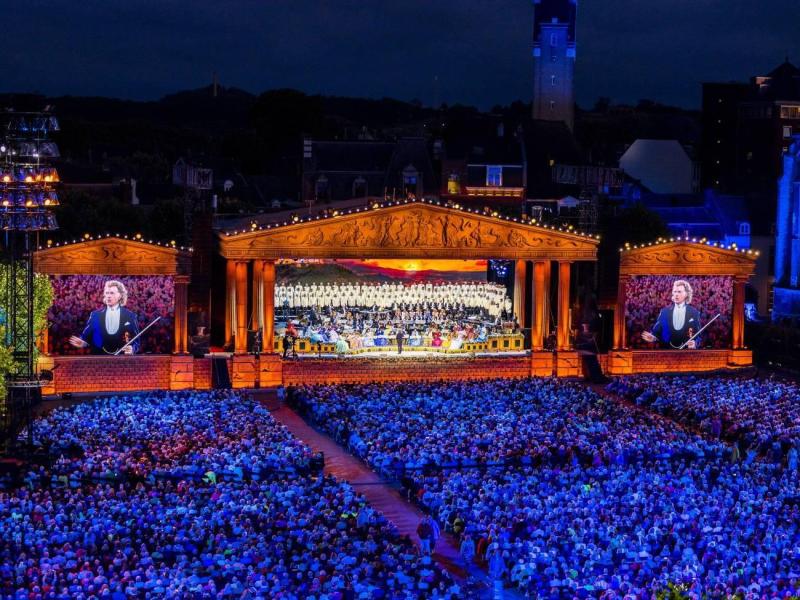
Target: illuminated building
<point>787,249</point>
<point>554,60</point>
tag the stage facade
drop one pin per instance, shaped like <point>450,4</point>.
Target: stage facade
<point>413,230</point>
<point>111,258</point>
<point>408,229</point>
<point>679,260</point>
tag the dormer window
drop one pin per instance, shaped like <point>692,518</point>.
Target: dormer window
<point>494,176</point>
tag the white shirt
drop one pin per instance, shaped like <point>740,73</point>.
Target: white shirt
<point>112,319</point>
<point>678,316</point>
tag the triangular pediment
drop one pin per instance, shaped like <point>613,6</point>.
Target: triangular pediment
<point>408,230</point>
<point>686,257</point>
<point>112,255</point>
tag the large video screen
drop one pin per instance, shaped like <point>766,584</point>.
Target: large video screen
<point>678,312</point>
<point>103,314</point>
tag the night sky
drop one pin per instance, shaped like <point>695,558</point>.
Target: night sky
<point>479,49</point>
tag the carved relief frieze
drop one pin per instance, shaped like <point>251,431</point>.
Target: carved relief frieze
<point>686,258</point>
<point>112,256</point>
<point>409,232</point>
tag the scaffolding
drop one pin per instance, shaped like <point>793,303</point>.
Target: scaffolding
<point>27,196</point>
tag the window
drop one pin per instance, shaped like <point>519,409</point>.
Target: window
<point>790,112</point>
<point>360,187</point>
<point>553,82</point>
<point>453,185</point>
<point>787,131</point>
<point>553,39</point>
<point>410,180</point>
<point>494,176</point>
<point>552,104</point>
<point>321,188</point>
<point>744,228</point>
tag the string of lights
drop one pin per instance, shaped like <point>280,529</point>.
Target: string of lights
<point>700,242</point>
<point>136,237</point>
<point>297,219</point>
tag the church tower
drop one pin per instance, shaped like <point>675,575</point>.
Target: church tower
<point>554,60</point>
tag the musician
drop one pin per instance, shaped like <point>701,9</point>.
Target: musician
<point>678,322</point>
<point>111,327</point>
<point>401,335</point>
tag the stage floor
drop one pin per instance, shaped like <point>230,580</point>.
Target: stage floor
<point>416,354</point>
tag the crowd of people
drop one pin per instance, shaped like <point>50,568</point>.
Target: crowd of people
<point>759,415</point>
<point>557,489</point>
<point>402,428</point>
<point>567,493</point>
<point>195,495</point>
<point>175,434</point>
<point>76,296</point>
<point>473,296</point>
<point>358,316</point>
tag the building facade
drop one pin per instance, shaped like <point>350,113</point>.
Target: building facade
<point>787,248</point>
<point>746,130</point>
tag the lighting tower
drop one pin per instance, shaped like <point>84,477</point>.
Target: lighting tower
<point>27,196</point>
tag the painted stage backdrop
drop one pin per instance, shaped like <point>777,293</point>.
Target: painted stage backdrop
<point>380,270</point>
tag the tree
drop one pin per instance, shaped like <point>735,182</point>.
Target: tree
<point>282,117</point>
<point>81,212</point>
<point>635,225</point>
<point>42,300</point>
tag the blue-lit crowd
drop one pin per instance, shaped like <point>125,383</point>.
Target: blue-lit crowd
<point>564,492</point>
<point>195,495</point>
<point>557,489</point>
<point>760,416</point>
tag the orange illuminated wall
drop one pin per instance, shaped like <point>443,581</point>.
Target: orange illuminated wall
<point>308,372</point>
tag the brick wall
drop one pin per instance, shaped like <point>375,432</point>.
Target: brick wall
<point>110,373</point>
<point>683,361</point>
<point>362,370</point>
<point>143,372</point>
<point>202,373</point>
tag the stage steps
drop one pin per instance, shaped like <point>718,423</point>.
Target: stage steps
<point>220,378</point>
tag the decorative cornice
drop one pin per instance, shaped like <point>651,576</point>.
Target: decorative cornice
<point>686,257</point>
<point>410,229</point>
<point>113,255</point>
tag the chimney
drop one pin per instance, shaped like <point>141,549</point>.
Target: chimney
<point>134,197</point>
